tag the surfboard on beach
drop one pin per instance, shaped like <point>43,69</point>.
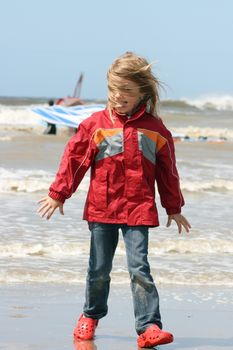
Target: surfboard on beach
<point>67,116</point>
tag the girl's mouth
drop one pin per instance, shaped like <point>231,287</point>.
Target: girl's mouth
<point>122,104</point>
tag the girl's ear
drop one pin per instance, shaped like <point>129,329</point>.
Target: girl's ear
<point>144,99</point>
<point>148,106</point>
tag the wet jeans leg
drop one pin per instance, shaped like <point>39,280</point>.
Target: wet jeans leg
<point>144,291</point>
<point>104,239</point>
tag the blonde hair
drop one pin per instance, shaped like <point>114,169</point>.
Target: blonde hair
<point>136,69</point>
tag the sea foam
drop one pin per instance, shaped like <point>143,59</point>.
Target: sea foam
<point>29,181</point>
<point>217,102</point>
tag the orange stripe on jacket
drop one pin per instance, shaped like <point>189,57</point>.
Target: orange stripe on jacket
<point>155,137</point>
<point>102,134</point>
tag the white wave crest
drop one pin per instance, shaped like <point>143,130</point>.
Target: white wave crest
<point>215,185</point>
<point>213,278</point>
<point>22,276</point>
<point>220,103</point>
<point>193,246</point>
<point>23,250</point>
<point>5,138</point>
<point>68,250</point>
<point>17,115</point>
<point>118,276</point>
<point>24,180</point>
<point>30,181</point>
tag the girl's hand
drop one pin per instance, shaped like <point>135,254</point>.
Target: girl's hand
<point>180,220</point>
<point>48,207</point>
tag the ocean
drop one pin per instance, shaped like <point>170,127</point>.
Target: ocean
<point>33,250</point>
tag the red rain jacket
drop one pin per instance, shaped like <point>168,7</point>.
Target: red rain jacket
<point>126,156</point>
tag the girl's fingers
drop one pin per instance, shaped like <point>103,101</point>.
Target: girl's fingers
<point>186,228</point>
<point>42,200</point>
<point>61,210</point>
<point>45,211</point>
<point>179,227</point>
<point>169,220</point>
<point>48,206</point>
<point>181,222</point>
<point>50,213</point>
<point>42,207</point>
<point>186,224</point>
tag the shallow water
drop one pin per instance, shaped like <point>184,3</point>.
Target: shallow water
<point>34,250</point>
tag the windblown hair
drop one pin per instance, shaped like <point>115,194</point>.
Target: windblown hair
<point>136,69</point>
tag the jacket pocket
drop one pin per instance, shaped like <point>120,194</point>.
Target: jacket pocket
<point>101,189</point>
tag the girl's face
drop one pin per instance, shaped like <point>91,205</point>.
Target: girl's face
<point>125,97</point>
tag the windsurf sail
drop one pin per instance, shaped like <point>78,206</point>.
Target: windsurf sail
<point>77,90</point>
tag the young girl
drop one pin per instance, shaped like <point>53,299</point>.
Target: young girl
<point>128,148</point>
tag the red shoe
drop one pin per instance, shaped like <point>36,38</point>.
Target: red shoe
<point>154,336</point>
<point>85,328</point>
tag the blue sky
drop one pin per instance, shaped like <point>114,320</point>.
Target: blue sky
<point>46,44</point>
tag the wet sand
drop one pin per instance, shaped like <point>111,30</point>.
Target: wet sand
<point>43,317</point>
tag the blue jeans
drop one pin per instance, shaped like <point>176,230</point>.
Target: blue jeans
<point>104,240</point>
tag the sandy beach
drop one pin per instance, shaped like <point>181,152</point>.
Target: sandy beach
<point>43,317</point>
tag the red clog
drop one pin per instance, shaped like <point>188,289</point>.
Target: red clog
<point>153,336</point>
<point>85,328</point>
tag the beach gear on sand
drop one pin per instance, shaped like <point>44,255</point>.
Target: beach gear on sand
<point>154,336</point>
<point>66,116</point>
<point>85,328</point>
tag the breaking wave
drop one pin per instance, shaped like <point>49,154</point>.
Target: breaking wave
<point>28,181</point>
<point>65,263</point>
<point>215,102</point>
<point>61,250</point>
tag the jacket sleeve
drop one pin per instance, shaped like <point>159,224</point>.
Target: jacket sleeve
<point>77,158</point>
<point>167,176</point>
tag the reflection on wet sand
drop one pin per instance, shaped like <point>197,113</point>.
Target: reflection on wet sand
<point>84,345</point>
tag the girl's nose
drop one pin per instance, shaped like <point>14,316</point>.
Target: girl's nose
<point>118,94</point>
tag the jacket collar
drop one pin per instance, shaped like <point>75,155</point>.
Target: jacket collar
<point>137,114</point>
